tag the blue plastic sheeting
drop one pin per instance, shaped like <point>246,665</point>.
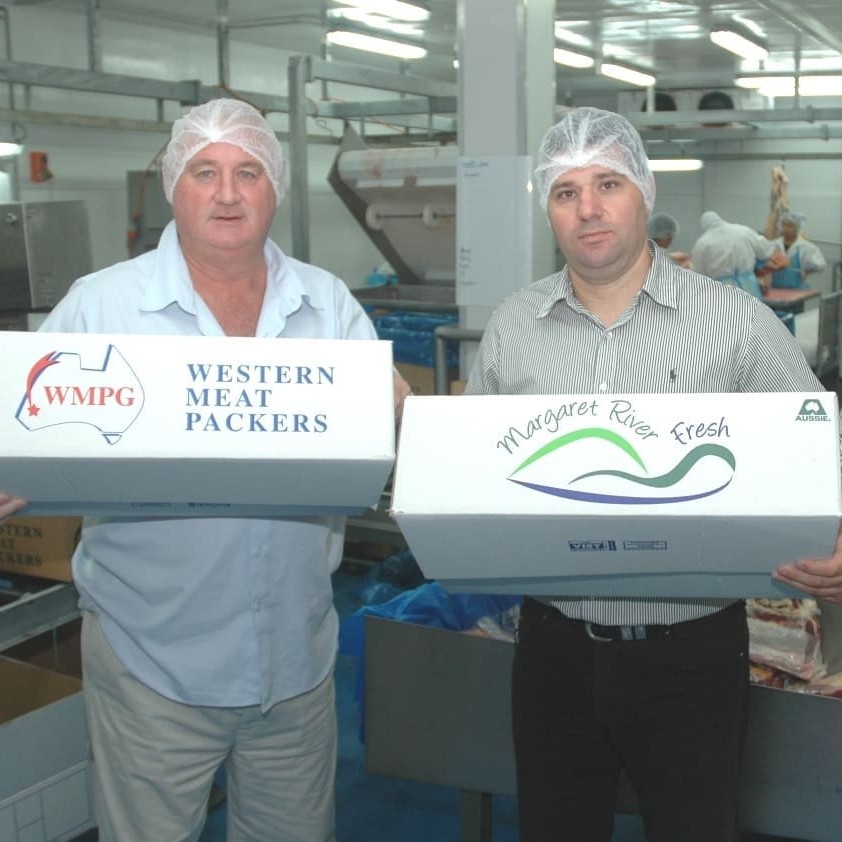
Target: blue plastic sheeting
<point>427,605</point>
<point>413,336</point>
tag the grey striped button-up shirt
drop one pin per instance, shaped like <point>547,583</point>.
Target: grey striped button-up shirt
<point>682,333</point>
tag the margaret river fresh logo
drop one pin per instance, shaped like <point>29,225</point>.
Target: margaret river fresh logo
<point>60,389</point>
<point>688,459</point>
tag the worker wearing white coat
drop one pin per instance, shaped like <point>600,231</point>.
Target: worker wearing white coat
<point>728,252</point>
<point>805,257</point>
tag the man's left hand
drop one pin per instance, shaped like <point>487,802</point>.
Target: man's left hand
<point>821,578</point>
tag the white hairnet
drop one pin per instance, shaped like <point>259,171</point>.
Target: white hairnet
<point>710,218</point>
<point>797,219</point>
<point>588,136</point>
<point>223,121</point>
<point>662,225</point>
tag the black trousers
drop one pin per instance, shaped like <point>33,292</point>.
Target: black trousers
<point>670,712</point>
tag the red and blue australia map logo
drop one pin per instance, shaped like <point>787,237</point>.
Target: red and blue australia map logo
<point>60,389</point>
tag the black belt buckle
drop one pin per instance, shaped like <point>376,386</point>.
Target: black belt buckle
<point>589,628</point>
<point>614,632</point>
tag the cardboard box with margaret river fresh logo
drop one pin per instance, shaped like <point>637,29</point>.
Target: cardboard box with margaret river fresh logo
<point>137,426</point>
<point>618,495</point>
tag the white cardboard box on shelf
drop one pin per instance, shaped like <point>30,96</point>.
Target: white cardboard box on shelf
<point>621,495</point>
<point>45,791</point>
<point>175,425</point>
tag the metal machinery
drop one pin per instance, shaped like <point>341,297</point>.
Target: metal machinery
<point>148,211</point>
<point>44,247</point>
<point>405,201</point>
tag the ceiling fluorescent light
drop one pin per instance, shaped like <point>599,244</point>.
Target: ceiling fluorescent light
<point>571,59</point>
<point>739,45</point>
<point>675,164</point>
<point>562,33</point>
<point>784,86</point>
<point>375,45</point>
<point>624,73</point>
<point>395,9</point>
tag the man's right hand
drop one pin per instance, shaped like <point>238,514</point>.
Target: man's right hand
<point>9,506</point>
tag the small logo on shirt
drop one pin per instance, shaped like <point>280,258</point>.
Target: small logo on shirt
<point>812,410</point>
<point>61,390</point>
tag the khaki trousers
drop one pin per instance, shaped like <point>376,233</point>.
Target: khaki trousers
<point>155,759</point>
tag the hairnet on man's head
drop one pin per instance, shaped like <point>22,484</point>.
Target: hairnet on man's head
<point>797,219</point>
<point>709,219</point>
<point>223,121</point>
<point>662,225</point>
<point>587,136</point>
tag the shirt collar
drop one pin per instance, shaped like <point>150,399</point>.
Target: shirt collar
<point>660,283</point>
<point>171,282</point>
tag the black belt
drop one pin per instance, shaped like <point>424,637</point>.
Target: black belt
<point>608,634</point>
<point>605,634</point>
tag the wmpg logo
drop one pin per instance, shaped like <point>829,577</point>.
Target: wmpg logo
<point>701,472</point>
<point>61,390</point>
<point>812,410</point>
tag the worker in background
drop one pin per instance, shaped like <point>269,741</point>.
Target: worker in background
<point>663,229</point>
<point>657,687</point>
<point>212,641</point>
<point>805,257</point>
<point>729,252</point>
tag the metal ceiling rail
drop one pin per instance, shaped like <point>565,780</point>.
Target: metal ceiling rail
<point>804,22</point>
<point>808,114</point>
<point>188,92</point>
<point>367,77</point>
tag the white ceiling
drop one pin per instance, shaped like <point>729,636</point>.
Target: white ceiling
<point>668,36</point>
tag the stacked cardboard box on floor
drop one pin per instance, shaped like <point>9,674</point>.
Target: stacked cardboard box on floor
<point>45,794</point>
<point>45,785</point>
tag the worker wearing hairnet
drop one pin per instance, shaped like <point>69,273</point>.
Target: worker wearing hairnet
<point>805,257</point>
<point>729,252</point>
<point>656,687</point>
<point>663,229</point>
<point>211,641</point>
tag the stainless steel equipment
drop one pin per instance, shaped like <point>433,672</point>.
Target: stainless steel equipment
<point>44,247</point>
<point>149,210</point>
<point>405,201</point>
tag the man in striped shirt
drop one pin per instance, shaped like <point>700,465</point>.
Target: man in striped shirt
<point>656,687</point>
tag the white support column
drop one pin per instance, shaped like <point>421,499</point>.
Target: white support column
<point>506,103</point>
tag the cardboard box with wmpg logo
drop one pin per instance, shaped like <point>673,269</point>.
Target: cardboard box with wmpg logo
<point>649,495</point>
<point>178,425</point>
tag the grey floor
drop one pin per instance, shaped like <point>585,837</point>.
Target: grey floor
<point>373,808</point>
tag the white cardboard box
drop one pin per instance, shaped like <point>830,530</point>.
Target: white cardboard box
<point>638,495</point>
<point>45,783</point>
<point>174,425</point>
